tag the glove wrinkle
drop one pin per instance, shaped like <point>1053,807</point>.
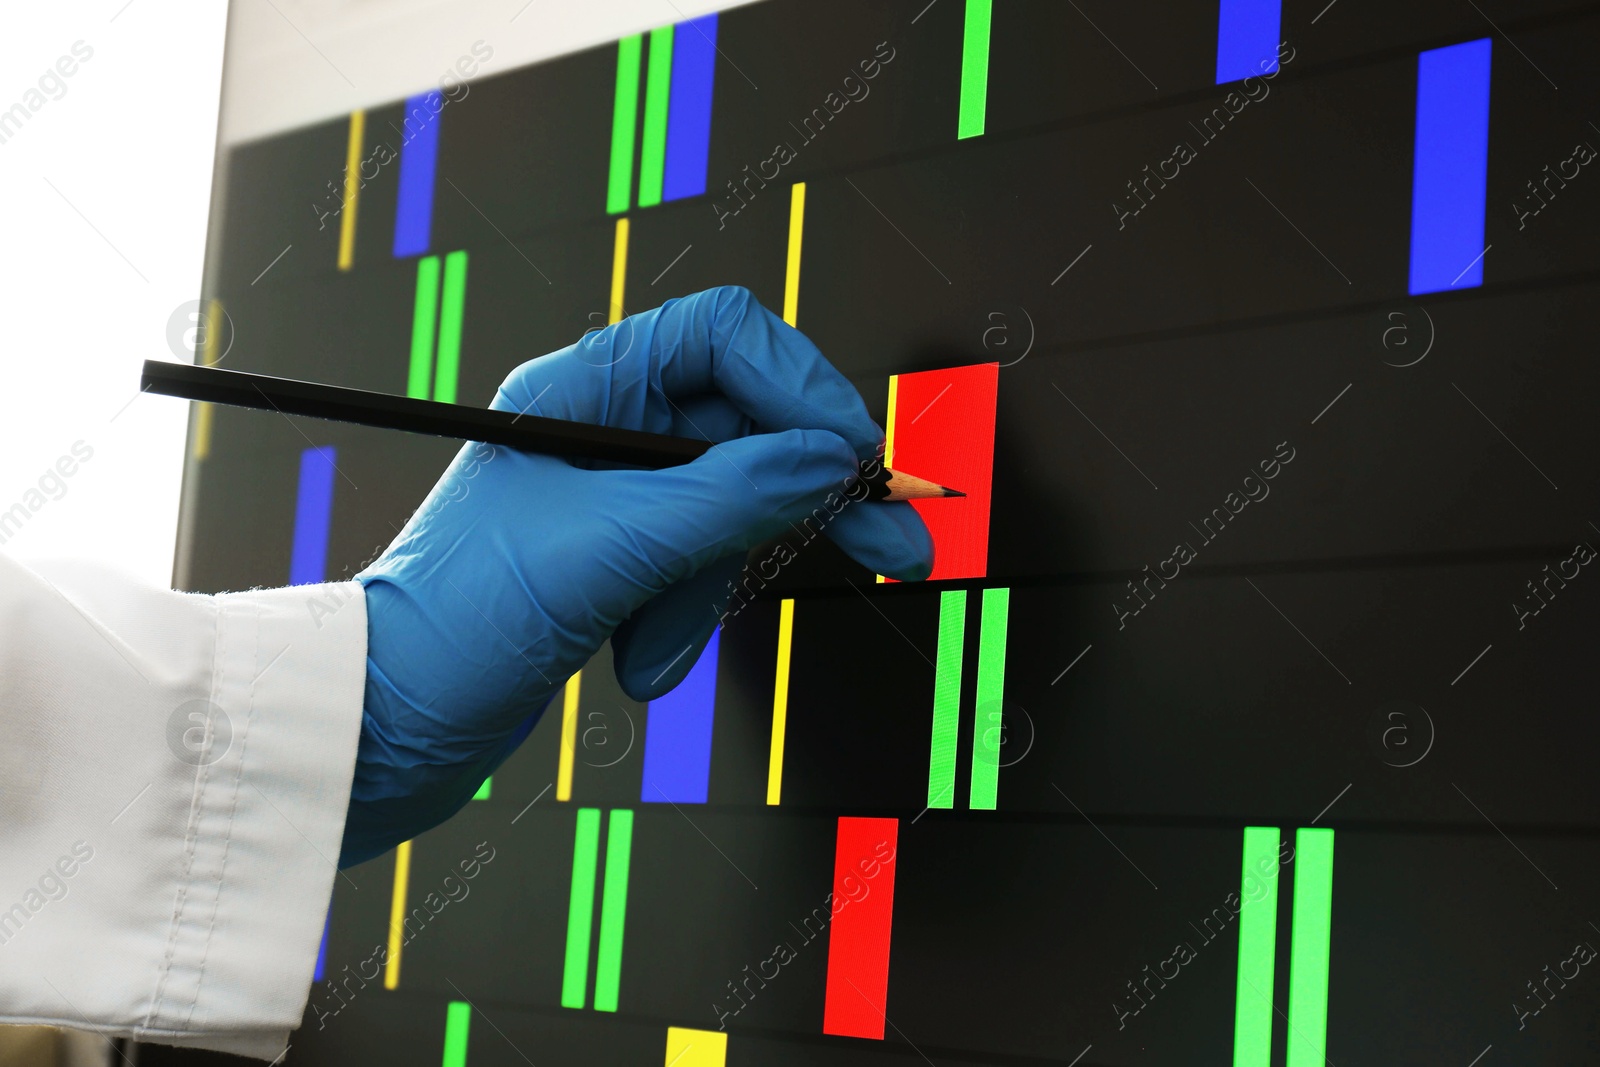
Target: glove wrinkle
<point>517,567</point>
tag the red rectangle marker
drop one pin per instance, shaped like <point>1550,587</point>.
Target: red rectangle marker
<point>858,942</point>
<point>941,427</point>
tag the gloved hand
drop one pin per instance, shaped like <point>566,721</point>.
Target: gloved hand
<point>518,567</point>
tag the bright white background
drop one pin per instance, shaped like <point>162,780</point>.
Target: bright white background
<point>106,193</point>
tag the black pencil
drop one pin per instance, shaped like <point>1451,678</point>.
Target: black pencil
<point>530,433</point>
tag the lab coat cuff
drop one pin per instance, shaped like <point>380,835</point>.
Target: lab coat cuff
<point>291,671</point>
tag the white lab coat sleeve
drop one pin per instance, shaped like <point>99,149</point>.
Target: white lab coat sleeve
<point>174,774</point>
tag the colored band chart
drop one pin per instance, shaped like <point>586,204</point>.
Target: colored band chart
<point>1245,718</point>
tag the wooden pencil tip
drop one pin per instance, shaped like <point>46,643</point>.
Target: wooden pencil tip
<point>902,486</point>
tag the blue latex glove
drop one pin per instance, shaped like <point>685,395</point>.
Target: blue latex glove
<point>518,567</point>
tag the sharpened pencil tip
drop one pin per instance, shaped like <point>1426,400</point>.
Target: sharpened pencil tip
<point>951,492</point>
